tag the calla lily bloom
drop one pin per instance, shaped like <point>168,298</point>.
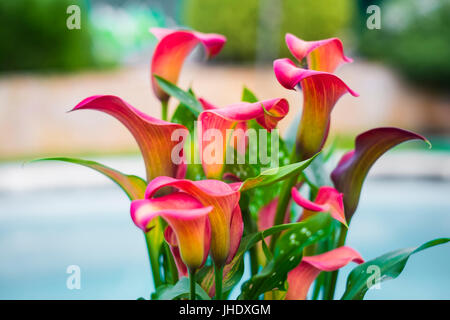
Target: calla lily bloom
<point>188,219</point>
<point>301,278</point>
<point>328,199</point>
<point>323,55</point>
<point>238,126</point>
<point>321,91</point>
<point>217,120</point>
<point>351,171</point>
<point>173,48</point>
<point>225,216</point>
<point>152,135</point>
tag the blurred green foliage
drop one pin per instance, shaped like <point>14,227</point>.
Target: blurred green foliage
<point>241,21</point>
<point>414,38</point>
<point>34,36</point>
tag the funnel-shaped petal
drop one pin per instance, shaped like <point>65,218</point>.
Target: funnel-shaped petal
<point>214,122</point>
<point>323,55</point>
<point>186,216</point>
<point>225,217</point>
<point>152,135</point>
<point>321,91</point>
<point>301,278</point>
<point>173,48</point>
<point>328,199</point>
<point>349,175</point>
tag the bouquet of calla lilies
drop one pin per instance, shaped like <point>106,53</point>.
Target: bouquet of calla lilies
<point>223,189</point>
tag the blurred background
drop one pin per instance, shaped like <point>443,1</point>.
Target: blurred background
<point>54,215</point>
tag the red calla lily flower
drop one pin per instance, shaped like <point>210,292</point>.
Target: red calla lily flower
<point>321,91</point>
<point>173,48</point>
<point>351,171</point>
<point>323,55</point>
<point>188,219</point>
<point>328,199</point>
<point>301,278</point>
<point>214,122</point>
<point>225,217</point>
<point>152,135</point>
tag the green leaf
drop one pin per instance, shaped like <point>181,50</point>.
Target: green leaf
<point>180,290</point>
<point>185,97</point>
<point>390,265</point>
<point>248,95</point>
<point>183,115</point>
<point>288,254</point>
<point>273,175</point>
<point>133,186</point>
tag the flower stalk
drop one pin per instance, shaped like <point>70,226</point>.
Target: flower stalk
<point>164,110</point>
<point>154,263</point>
<point>218,280</point>
<point>192,283</point>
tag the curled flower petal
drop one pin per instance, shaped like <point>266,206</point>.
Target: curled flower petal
<point>349,175</point>
<point>301,278</point>
<point>214,122</point>
<point>186,216</point>
<point>151,134</point>
<point>328,199</point>
<point>323,55</point>
<point>171,239</point>
<point>225,218</point>
<point>321,91</point>
<point>173,48</point>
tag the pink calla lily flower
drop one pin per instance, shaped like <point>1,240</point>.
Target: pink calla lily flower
<point>328,199</point>
<point>173,48</point>
<point>151,134</point>
<point>188,219</point>
<point>301,278</point>
<point>217,120</point>
<point>321,91</point>
<point>225,217</point>
<point>351,171</point>
<point>323,55</point>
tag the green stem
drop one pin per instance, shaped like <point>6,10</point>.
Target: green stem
<point>218,277</point>
<point>164,109</point>
<point>283,200</point>
<point>329,292</point>
<point>318,286</point>
<point>154,264</point>
<point>192,283</point>
<point>250,227</point>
